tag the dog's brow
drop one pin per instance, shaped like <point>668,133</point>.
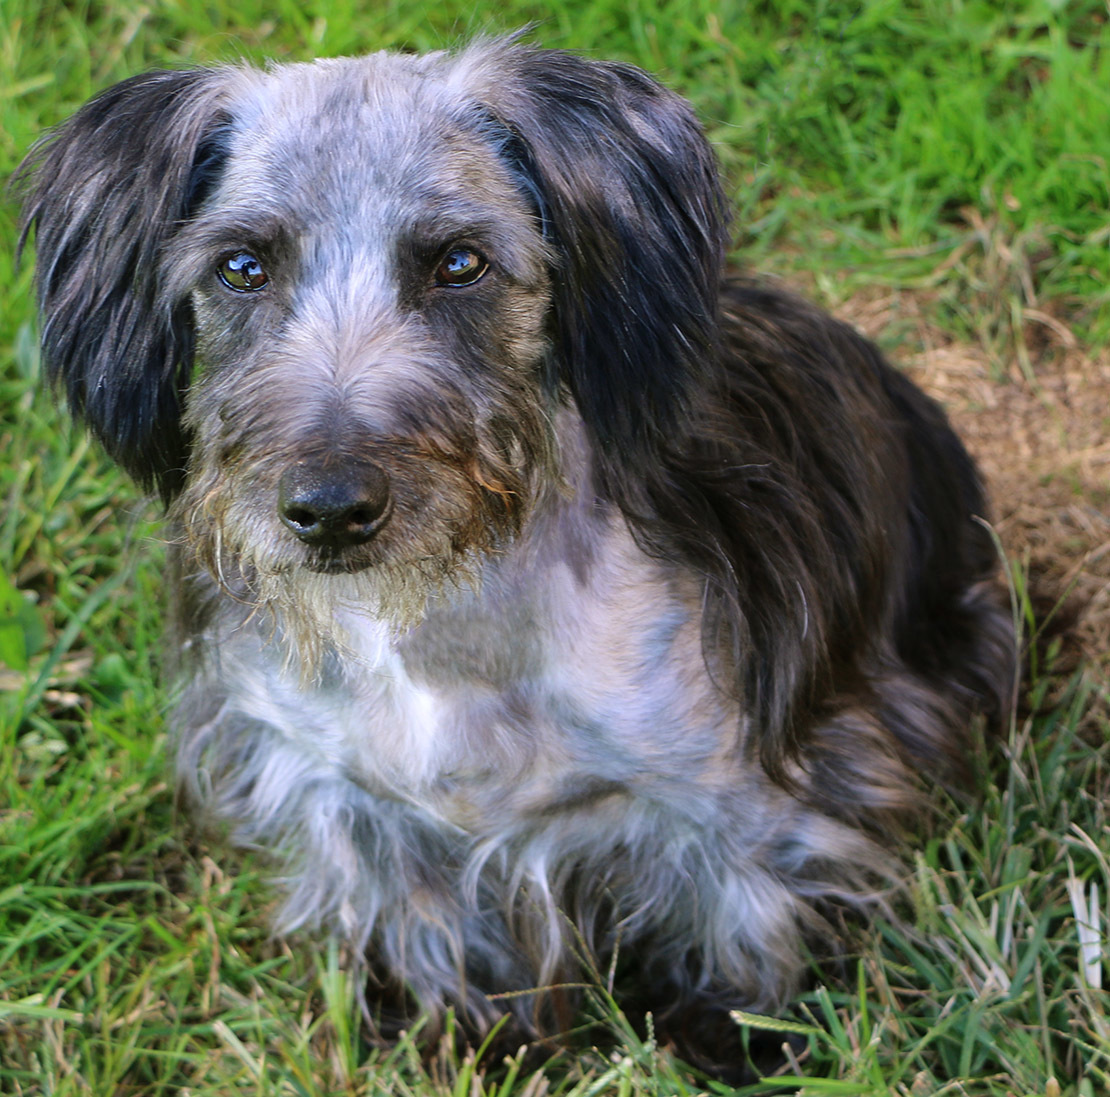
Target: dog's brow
<point>235,228</point>
<point>514,151</point>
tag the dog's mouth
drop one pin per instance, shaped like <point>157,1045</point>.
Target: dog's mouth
<point>337,561</point>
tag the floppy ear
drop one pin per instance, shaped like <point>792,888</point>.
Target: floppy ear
<point>631,200</point>
<point>105,193</point>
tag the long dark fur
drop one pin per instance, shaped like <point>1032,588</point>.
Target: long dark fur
<point>785,532</point>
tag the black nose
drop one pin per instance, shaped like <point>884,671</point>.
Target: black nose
<point>334,506</point>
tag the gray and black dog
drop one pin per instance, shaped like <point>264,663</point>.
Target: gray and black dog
<point>540,591</point>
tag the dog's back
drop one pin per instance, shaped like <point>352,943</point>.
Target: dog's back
<point>881,507</point>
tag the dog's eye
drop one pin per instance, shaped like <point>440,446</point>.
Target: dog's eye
<point>460,267</point>
<point>242,272</point>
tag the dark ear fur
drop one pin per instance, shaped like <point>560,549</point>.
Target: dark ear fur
<point>631,200</point>
<point>627,188</point>
<point>105,192</point>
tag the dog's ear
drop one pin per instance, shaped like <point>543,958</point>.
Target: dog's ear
<point>630,198</point>
<point>105,193</point>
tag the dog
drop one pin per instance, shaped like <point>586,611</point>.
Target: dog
<point>547,600</point>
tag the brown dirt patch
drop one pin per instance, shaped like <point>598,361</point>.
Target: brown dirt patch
<point>1042,439</point>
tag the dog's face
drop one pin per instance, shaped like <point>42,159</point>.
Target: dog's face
<point>366,390</point>
<point>331,310</point>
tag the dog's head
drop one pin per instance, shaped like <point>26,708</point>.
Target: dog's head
<point>331,308</point>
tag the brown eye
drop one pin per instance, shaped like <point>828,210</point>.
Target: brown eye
<point>242,272</point>
<point>460,267</point>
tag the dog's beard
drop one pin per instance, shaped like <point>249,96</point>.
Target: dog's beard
<point>453,517</point>
<point>316,616</point>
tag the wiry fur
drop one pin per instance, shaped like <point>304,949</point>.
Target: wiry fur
<point>680,586</point>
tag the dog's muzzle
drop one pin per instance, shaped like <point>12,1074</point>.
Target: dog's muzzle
<point>334,506</point>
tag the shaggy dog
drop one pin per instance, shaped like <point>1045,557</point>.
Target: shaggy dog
<point>542,596</point>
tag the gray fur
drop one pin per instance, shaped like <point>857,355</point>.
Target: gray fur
<point>638,660</point>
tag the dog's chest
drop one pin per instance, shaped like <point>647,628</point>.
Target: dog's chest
<point>527,699</point>
<point>502,708</point>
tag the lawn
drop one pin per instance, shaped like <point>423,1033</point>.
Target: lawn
<point>934,170</point>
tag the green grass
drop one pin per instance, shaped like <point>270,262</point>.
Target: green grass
<point>958,150</point>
